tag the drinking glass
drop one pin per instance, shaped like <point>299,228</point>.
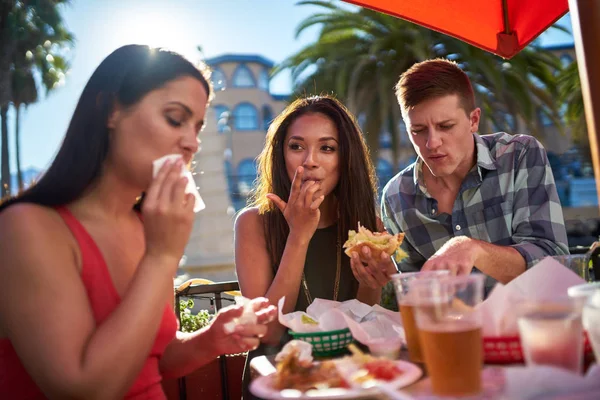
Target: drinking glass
<point>591,321</point>
<point>552,334</point>
<point>449,324</point>
<point>581,293</point>
<point>402,285</point>
<point>578,263</point>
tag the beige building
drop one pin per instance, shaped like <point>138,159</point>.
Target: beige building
<point>236,125</point>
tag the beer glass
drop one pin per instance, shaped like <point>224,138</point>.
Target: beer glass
<point>402,284</point>
<point>449,324</point>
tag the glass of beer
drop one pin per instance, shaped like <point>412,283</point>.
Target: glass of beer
<point>449,323</point>
<point>402,284</point>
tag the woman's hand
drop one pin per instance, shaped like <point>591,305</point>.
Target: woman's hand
<point>168,214</point>
<point>370,270</point>
<point>302,208</point>
<point>244,337</point>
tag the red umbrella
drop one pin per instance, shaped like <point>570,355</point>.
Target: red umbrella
<point>502,27</point>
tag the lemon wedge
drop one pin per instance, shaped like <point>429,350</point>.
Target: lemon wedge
<point>308,320</point>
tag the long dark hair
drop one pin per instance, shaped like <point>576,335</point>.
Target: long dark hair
<point>125,76</point>
<point>356,190</point>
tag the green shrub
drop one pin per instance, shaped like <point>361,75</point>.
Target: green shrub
<point>189,321</point>
<point>388,297</point>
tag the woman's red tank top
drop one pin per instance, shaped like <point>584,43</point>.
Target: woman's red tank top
<point>15,382</point>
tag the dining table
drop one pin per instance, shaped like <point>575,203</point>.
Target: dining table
<point>493,378</point>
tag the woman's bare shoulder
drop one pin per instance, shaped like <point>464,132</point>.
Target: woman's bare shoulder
<point>249,218</point>
<point>27,213</point>
<point>31,225</point>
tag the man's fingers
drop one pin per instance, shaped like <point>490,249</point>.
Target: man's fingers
<point>277,201</point>
<point>428,266</point>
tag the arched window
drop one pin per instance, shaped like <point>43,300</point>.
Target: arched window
<point>221,116</point>
<point>218,79</point>
<point>267,115</point>
<point>243,78</point>
<point>246,175</point>
<point>263,80</point>
<point>245,117</point>
<point>230,177</point>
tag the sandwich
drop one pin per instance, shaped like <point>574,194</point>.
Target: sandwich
<point>378,242</point>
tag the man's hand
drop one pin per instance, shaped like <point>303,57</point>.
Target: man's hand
<point>458,255</point>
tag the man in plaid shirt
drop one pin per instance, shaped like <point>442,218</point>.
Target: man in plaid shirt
<point>488,202</point>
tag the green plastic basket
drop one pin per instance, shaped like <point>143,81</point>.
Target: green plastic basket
<point>326,344</point>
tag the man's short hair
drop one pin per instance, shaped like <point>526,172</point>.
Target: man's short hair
<point>430,79</point>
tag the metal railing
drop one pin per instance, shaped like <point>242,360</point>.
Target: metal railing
<point>197,290</point>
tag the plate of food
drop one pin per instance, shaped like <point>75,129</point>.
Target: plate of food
<point>359,375</point>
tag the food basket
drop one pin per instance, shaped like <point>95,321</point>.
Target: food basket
<point>328,343</point>
<point>507,349</point>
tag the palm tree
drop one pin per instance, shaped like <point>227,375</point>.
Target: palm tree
<point>52,67</point>
<point>360,54</point>
<point>36,41</point>
<point>570,94</point>
<point>24,93</point>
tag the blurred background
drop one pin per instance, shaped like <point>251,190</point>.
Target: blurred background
<point>263,54</point>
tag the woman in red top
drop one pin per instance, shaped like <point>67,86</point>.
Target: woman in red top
<point>86,288</point>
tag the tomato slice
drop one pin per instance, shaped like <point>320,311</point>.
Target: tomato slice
<point>385,370</point>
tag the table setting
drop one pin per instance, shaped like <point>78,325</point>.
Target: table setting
<point>532,338</point>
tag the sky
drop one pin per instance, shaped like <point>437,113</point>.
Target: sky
<point>264,27</point>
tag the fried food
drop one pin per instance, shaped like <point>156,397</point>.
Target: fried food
<point>378,242</point>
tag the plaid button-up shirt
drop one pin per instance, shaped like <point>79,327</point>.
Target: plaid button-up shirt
<point>509,198</point>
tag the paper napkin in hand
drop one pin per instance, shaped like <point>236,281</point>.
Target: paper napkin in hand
<point>248,315</point>
<point>191,184</point>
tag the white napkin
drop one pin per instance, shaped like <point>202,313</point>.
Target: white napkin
<point>191,184</point>
<point>379,329</point>
<point>546,280</point>
<point>248,315</point>
<point>381,334</point>
<point>297,321</point>
<point>543,381</point>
